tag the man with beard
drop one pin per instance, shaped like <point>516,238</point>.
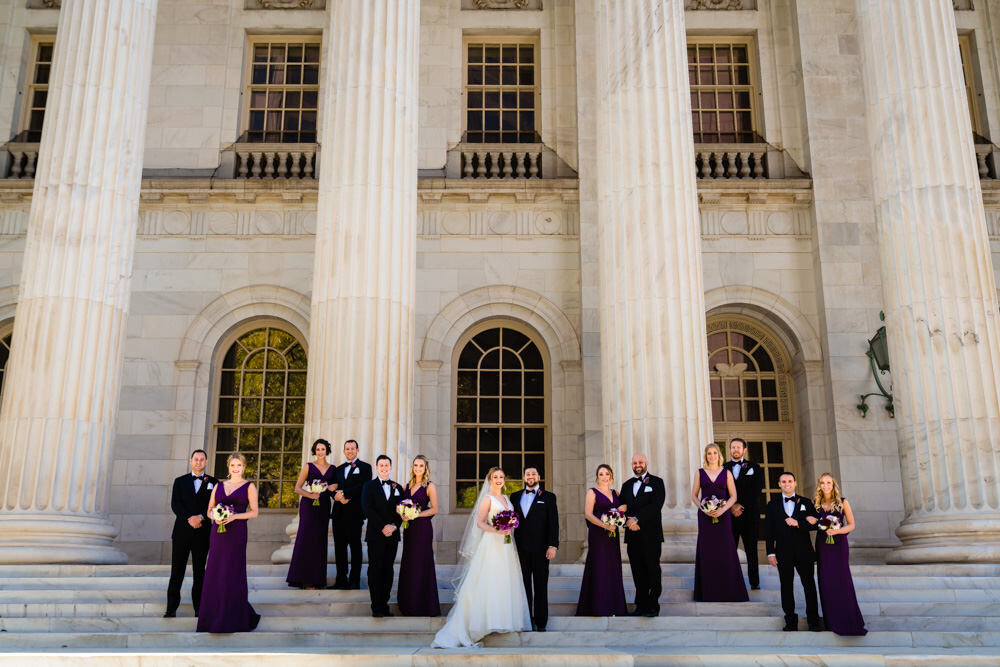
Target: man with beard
<point>642,500</point>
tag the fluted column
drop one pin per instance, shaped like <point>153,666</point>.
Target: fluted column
<point>940,298</point>
<point>654,355</point>
<point>60,403</point>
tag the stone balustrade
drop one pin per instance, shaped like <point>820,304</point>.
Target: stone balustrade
<point>501,160</point>
<point>985,161</point>
<point>275,160</point>
<point>23,159</point>
<point>731,160</point>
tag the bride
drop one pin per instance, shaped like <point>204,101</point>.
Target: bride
<point>489,591</point>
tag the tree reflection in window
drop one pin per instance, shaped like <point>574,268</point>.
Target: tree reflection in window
<point>262,388</point>
<point>746,385</point>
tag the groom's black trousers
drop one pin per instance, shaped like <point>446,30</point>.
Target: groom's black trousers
<point>644,558</point>
<point>535,571</point>
<point>381,556</point>
<point>195,544</point>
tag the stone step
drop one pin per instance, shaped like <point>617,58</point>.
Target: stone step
<point>700,639</point>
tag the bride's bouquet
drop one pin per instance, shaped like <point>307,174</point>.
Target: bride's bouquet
<point>315,486</point>
<point>505,520</point>
<point>408,510</point>
<point>220,513</point>
<point>711,504</point>
<point>829,522</point>
<point>613,517</point>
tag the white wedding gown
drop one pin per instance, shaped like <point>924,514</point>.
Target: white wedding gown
<point>491,598</point>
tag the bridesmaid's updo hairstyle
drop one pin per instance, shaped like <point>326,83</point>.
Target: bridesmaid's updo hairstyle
<point>427,471</point>
<point>611,472</point>
<point>236,456</point>
<point>718,450</point>
<point>323,442</point>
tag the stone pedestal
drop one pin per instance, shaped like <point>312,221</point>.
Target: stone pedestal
<point>361,338</point>
<point>58,416</point>
<point>654,355</point>
<point>940,299</point>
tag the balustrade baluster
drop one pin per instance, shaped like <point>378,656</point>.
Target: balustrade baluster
<point>296,158</point>
<point>257,166</point>
<point>310,166</point>
<point>481,167</point>
<point>706,166</point>
<point>269,164</point>
<point>758,164</point>
<point>507,166</point>
<point>744,164</point>
<point>467,166</point>
<point>533,164</point>
<point>243,158</point>
<point>282,163</point>
<point>15,167</point>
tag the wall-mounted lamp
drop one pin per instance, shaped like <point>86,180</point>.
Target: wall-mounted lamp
<point>878,355</point>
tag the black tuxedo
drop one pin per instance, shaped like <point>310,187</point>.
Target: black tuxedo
<point>347,521</point>
<point>185,503</point>
<point>535,533</point>
<point>749,486</point>
<point>792,545</point>
<point>644,545</point>
<point>381,549</point>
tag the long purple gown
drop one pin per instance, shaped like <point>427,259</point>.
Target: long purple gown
<point>602,592</point>
<point>836,586</point>
<point>225,603</point>
<point>717,573</point>
<point>308,565</point>
<point>417,594</point>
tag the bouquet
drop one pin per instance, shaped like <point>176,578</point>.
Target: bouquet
<point>828,522</point>
<point>505,520</point>
<point>315,486</point>
<point>408,510</point>
<point>711,504</point>
<point>220,513</point>
<point>613,517</point>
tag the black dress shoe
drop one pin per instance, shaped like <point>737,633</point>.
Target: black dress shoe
<point>540,628</point>
<point>650,614</point>
<point>170,614</point>
<point>755,588</point>
<point>353,587</point>
<point>636,612</point>
<point>534,627</point>
<point>377,614</point>
<point>334,587</point>
<point>816,627</point>
<point>791,627</point>
<point>387,613</point>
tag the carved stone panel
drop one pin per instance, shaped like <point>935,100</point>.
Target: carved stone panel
<point>44,4</point>
<point>501,4</point>
<point>285,4</point>
<point>720,4</point>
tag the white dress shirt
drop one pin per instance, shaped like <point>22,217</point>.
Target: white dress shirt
<point>527,499</point>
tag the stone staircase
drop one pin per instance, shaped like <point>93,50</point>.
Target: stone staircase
<point>112,615</point>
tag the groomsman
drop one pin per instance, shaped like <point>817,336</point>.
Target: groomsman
<point>379,499</point>
<point>537,540</point>
<point>192,529</point>
<point>345,511</point>
<point>642,500</point>
<point>746,512</point>
<point>789,548</point>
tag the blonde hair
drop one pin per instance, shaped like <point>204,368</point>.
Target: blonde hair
<point>489,475</point>
<point>610,471</point>
<point>718,449</point>
<point>837,500</point>
<point>427,471</point>
<point>238,457</point>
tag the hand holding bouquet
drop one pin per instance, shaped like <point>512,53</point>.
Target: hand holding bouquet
<point>220,513</point>
<point>315,486</point>
<point>505,521</point>
<point>710,504</point>
<point>827,523</point>
<point>408,510</point>
<point>614,518</point>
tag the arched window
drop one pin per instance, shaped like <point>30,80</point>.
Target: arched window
<point>751,394</point>
<point>4,355</point>
<point>261,409</point>
<point>500,411</point>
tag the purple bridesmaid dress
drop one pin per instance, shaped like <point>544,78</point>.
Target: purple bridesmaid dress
<point>602,592</point>
<point>225,604</point>
<point>308,565</point>
<point>417,594</point>
<point>717,573</point>
<point>836,586</point>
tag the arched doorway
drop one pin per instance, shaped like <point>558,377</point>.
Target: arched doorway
<point>751,386</point>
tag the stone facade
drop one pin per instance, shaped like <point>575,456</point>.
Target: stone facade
<point>796,252</point>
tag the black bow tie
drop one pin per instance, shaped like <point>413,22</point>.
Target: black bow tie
<point>529,490</point>
<point>790,500</point>
<point>198,476</point>
<point>386,483</point>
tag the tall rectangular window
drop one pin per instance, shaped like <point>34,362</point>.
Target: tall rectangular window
<point>971,92</point>
<point>723,95</point>
<point>282,89</point>
<point>501,91</point>
<point>36,89</point>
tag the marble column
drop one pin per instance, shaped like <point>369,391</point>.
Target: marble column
<point>60,404</point>
<point>654,355</point>
<point>939,292</point>
<point>361,337</point>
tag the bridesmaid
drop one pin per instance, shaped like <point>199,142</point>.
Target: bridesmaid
<point>308,566</point>
<point>717,573</point>
<point>225,603</point>
<point>602,592</point>
<point>417,594</point>
<point>836,586</point>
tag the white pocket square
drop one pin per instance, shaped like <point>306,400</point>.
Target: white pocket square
<point>802,507</point>
<point>209,486</point>
<point>354,472</point>
<point>749,472</point>
<point>539,502</point>
<point>647,488</point>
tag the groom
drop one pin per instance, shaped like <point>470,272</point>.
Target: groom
<point>189,503</point>
<point>378,501</point>
<point>790,549</point>
<point>642,500</point>
<point>537,540</point>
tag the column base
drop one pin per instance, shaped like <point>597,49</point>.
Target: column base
<point>28,538</point>
<point>283,554</point>
<point>680,536</point>
<point>972,537</point>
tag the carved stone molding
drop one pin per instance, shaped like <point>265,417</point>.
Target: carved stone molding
<point>44,4</point>
<point>286,4</point>
<point>501,4</point>
<point>720,4</point>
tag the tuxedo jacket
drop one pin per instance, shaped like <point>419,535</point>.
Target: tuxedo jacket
<point>788,542</point>
<point>749,486</point>
<point>351,483</point>
<point>539,530</point>
<point>379,511</point>
<point>645,507</point>
<point>185,503</point>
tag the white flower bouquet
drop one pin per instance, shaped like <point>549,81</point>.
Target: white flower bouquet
<point>710,504</point>
<point>613,517</point>
<point>829,522</point>
<point>408,510</point>
<point>315,486</point>
<point>220,513</point>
